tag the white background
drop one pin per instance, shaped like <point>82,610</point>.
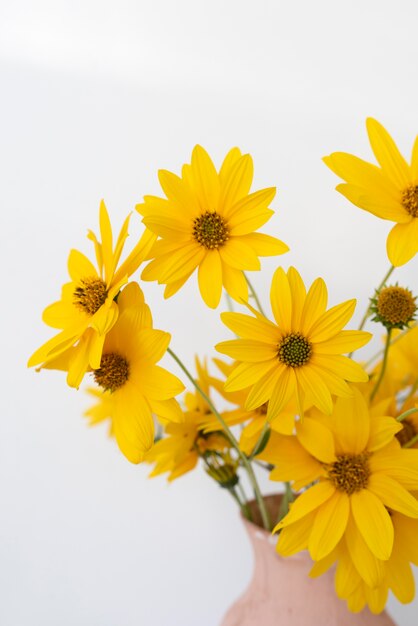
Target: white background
<point>95,97</point>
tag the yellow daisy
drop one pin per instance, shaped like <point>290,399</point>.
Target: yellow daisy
<point>207,222</point>
<point>135,387</point>
<point>389,191</point>
<point>88,309</point>
<point>298,354</point>
<point>361,471</point>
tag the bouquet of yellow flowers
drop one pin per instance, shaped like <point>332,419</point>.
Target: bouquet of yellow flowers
<point>340,435</point>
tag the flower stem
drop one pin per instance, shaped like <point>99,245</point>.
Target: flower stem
<point>411,442</point>
<point>256,449</point>
<point>254,295</point>
<point>383,368</point>
<point>234,443</point>
<point>404,415</point>
<point>367,313</point>
<point>287,498</point>
<point>394,340</point>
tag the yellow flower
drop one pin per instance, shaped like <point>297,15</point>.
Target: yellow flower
<point>389,191</point>
<point>300,354</point>
<point>207,222</point>
<point>362,472</point>
<point>179,452</point>
<point>134,386</point>
<point>87,309</point>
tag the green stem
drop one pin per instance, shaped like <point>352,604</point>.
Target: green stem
<point>404,415</point>
<point>234,443</point>
<point>287,498</point>
<point>383,368</point>
<point>259,441</point>
<point>254,295</point>
<point>367,313</point>
<point>246,508</point>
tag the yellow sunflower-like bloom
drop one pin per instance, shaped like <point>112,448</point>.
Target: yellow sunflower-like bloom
<point>134,386</point>
<point>389,191</point>
<point>360,474</point>
<point>87,309</point>
<point>179,451</point>
<point>300,354</point>
<point>207,222</point>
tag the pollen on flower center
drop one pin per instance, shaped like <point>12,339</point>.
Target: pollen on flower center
<point>294,350</point>
<point>396,305</point>
<point>350,473</point>
<point>407,433</point>
<point>113,372</point>
<point>210,230</point>
<point>90,295</point>
<point>410,200</point>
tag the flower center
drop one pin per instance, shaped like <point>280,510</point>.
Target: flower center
<point>294,350</point>
<point>396,305</point>
<point>407,433</point>
<point>210,230</point>
<point>90,295</point>
<point>410,200</point>
<point>350,473</point>
<point>113,371</point>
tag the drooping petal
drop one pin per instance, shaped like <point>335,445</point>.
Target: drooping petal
<point>373,522</point>
<point>329,525</point>
<point>309,501</point>
<point>402,242</point>
<point>210,279</point>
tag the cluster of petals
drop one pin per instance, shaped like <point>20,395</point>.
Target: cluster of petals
<point>351,514</point>
<point>207,222</point>
<point>148,390</point>
<point>303,317</point>
<point>79,344</point>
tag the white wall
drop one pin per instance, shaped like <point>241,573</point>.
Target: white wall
<point>95,97</point>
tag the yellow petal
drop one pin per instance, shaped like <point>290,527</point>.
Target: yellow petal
<point>234,283</point>
<point>295,538</point>
<point>292,462</point>
<point>332,321</point>
<point>206,179</point>
<point>136,257</point>
<point>393,495</point>
<point>247,350</point>
<point>178,193</point>
<point>281,300</point>
<point>251,328</point>
<point>342,342</point>
<point>309,501</point>
<point>239,255</point>
<point>158,384</point>
<point>236,184</point>
<point>329,525</point>
<point>228,163</point>
<point>80,267</point>
<point>261,391</point>
<point>373,522</point>
<point>351,423</point>
<point>246,374</point>
<point>388,155</point>
<point>382,431</point>
<point>402,242</point>
<point>283,390</point>
<point>210,279</point>
<point>314,388</point>
<point>371,569</point>
<point>317,440</point>
<point>107,241</point>
<point>265,245</point>
<point>315,305</point>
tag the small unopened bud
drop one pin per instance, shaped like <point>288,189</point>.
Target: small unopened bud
<point>394,307</point>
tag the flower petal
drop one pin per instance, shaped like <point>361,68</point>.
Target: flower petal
<point>317,439</point>
<point>281,300</point>
<point>329,525</point>
<point>210,279</point>
<point>393,495</point>
<point>402,242</point>
<point>373,522</point>
<point>388,155</point>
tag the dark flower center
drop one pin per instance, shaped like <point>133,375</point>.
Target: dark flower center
<point>210,230</point>
<point>396,305</point>
<point>410,200</point>
<point>294,350</point>
<point>113,371</point>
<point>407,433</point>
<point>350,473</point>
<point>90,295</point>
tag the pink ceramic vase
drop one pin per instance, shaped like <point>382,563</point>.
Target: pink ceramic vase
<point>282,594</point>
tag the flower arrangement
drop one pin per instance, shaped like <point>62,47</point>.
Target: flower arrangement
<point>341,436</point>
